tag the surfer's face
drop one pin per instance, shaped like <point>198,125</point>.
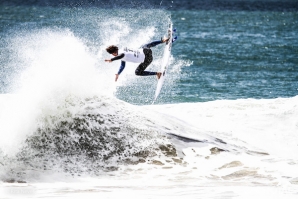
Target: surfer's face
<point>115,53</point>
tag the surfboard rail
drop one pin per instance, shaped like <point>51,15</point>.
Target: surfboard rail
<point>165,61</point>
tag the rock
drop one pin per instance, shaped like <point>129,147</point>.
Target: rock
<point>216,150</point>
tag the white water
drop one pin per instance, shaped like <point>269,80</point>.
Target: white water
<point>54,65</point>
<point>267,126</point>
<point>261,135</point>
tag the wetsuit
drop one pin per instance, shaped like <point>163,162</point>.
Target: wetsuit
<point>142,56</point>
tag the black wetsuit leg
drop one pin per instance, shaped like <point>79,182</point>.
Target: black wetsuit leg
<point>152,44</point>
<point>148,59</point>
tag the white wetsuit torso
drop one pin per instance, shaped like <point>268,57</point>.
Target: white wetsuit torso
<point>130,55</point>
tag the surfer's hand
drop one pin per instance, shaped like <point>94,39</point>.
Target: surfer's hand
<point>116,78</point>
<point>108,60</point>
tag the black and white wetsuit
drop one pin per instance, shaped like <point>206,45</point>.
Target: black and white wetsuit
<point>142,56</point>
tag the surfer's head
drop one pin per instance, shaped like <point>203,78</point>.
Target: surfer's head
<point>112,49</point>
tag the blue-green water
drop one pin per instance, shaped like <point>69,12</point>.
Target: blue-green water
<point>238,54</point>
<point>221,53</point>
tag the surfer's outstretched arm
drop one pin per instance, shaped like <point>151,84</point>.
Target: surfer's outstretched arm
<point>115,58</point>
<point>118,57</point>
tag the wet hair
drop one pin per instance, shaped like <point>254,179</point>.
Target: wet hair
<point>112,49</point>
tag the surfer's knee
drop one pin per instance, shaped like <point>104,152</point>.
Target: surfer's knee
<point>138,72</point>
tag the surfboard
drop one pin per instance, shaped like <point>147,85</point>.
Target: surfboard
<point>165,61</point>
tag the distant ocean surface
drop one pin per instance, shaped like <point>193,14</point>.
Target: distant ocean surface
<point>226,116</point>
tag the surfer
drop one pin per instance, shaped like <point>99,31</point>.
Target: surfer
<point>142,56</point>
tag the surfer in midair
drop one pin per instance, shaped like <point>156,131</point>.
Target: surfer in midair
<point>142,56</point>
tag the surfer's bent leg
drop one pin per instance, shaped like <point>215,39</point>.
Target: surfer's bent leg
<point>152,44</point>
<point>148,59</point>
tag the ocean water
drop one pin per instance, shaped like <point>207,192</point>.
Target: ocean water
<point>225,124</point>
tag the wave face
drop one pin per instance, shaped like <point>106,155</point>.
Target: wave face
<point>86,137</point>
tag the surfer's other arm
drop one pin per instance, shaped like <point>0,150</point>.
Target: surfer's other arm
<point>122,66</point>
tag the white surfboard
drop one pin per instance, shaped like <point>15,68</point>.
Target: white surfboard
<point>165,61</point>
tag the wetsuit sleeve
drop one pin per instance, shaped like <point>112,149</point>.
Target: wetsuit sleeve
<point>121,67</point>
<point>118,57</point>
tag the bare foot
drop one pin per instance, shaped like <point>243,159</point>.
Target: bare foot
<point>158,74</point>
<point>165,40</point>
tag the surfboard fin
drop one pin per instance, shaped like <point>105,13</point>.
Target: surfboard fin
<point>174,39</point>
